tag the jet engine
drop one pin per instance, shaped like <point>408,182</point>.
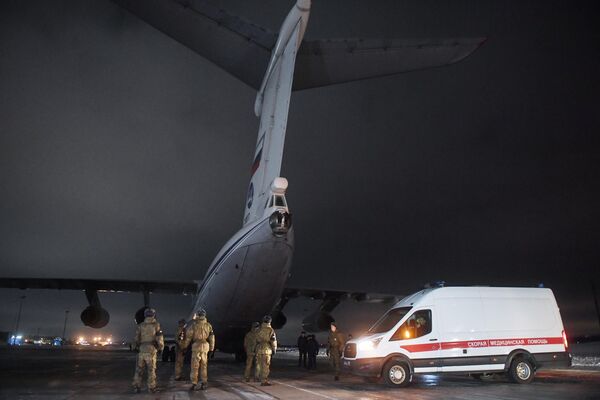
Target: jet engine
<point>95,317</point>
<point>280,222</point>
<point>279,320</point>
<point>317,322</point>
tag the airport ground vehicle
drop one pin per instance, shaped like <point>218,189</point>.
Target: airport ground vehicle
<point>472,330</point>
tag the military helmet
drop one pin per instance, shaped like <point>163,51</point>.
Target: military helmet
<point>181,322</point>
<point>200,313</point>
<point>267,319</point>
<point>149,312</point>
<point>255,324</point>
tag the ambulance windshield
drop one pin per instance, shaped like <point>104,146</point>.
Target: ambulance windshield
<point>389,320</point>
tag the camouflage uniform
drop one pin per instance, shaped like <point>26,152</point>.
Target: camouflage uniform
<point>179,350</point>
<point>149,340</point>
<point>200,334</point>
<point>250,348</point>
<point>335,347</point>
<point>266,345</point>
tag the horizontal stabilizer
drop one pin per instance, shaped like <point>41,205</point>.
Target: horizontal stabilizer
<point>101,285</point>
<point>327,62</point>
<point>235,45</point>
<point>244,49</point>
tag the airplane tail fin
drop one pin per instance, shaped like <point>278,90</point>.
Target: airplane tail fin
<point>246,51</point>
<point>273,102</point>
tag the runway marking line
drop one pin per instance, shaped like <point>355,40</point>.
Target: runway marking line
<point>306,390</point>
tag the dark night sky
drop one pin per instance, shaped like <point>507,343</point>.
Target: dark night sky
<point>125,155</point>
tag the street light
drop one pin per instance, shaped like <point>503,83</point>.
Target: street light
<point>65,325</point>
<point>19,314</point>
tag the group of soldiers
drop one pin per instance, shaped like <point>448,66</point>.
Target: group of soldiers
<point>260,343</point>
<point>308,348</point>
<point>149,342</point>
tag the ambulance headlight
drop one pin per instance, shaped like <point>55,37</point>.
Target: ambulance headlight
<point>368,345</point>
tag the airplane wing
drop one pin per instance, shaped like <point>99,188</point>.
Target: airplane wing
<point>244,49</point>
<point>94,315</point>
<point>100,285</point>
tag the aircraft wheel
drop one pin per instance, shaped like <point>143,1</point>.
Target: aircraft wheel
<point>165,355</point>
<point>240,356</point>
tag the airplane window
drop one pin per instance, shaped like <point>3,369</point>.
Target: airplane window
<point>417,325</point>
<point>271,202</point>
<point>279,201</point>
<point>389,319</point>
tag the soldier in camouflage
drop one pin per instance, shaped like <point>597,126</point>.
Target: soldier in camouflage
<point>250,349</point>
<point>266,345</point>
<point>335,347</point>
<point>148,342</point>
<point>200,335</point>
<point>179,350</point>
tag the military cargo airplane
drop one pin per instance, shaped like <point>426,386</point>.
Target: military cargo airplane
<point>247,278</point>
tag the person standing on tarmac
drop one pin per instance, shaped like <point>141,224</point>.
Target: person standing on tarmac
<point>302,349</point>
<point>266,345</point>
<point>312,348</point>
<point>200,335</point>
<point>148,342</point>
<point>335,347</point>
<point>250,349</point>
<point>179,350</point>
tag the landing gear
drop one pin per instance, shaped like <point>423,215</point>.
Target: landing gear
<point>240,356</point>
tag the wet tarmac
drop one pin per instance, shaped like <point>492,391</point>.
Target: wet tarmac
<point>29,373</point>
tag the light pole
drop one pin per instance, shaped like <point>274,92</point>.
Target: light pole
<point>596,302</point>
<point>19,314</point>
<point>65,325</point>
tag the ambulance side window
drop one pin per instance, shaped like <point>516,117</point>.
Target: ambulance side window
<point>417,325</point>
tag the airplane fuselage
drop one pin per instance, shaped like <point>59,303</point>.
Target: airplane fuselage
<point>245,281</point>
<point>247,278</point>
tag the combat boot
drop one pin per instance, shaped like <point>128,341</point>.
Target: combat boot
<point>193,387</point>
<point>203,386</point>
<point>266,383</point>
<point>154,390</point>
<point>136,389</point>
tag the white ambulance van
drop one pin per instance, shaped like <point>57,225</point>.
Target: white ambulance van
<point>473,330</point>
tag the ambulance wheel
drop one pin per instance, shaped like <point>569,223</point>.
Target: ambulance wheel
<point>397,373</point>
<point>521,371</point>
